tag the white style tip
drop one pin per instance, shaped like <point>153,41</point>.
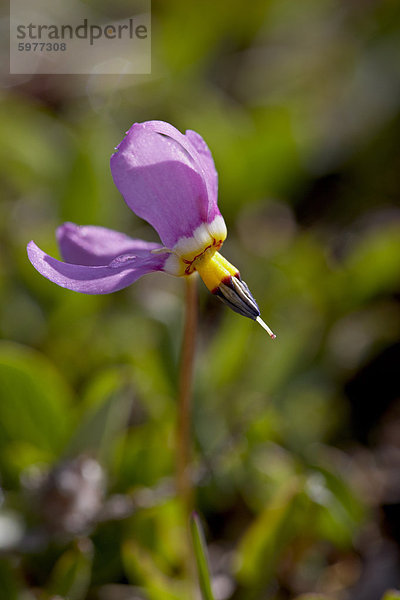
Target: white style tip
<point>265,326</point>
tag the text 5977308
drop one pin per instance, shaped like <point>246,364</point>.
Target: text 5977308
<point>42,46</point>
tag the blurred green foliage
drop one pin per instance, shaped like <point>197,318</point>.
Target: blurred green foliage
<point>299,104</point>
<point>200,553</point>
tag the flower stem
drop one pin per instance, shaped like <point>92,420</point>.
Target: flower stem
<point>183,476</point>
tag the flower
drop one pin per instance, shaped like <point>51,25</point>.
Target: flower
<point>168,179</point>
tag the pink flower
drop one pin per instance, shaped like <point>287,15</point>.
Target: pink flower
<point>168,179</point>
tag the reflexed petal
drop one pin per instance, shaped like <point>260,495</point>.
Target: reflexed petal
<point>165,180</point>
<point>121,272</point>
<point>200,153</point>
<point>96,246</point>
<point>211,175</point>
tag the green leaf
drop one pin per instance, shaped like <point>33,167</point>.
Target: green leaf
<point>227,354</point>
<point>9,582</point>
<point>81,191</point>
<point>340,512</point>
<point>267,536</point>
<point>141,569</point>
<point>86,191</point>
<point>373,267</point>
<point>200,552</point>
<point>71,575</point>
<point>29,136</point>
<point>34,401</point>
<point>392,595</point>
<point>313,597</point>
<point>138,460</point>
<point>106,418</point>
<point>161,528</point>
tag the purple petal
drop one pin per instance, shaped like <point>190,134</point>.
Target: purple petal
<point>165,180</point>
<point>97,246</point>
<point>200,153</point>
<point>210,173</point>
<point>94,279</point>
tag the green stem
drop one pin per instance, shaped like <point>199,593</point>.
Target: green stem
<point>183,475</point>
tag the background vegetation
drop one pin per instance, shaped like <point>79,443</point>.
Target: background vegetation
<point>297,442</point>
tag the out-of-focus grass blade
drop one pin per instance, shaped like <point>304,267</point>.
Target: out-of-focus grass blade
<point>71,574</point>
<point>392,595</point>
<point>9,582</point>
<point>36,415</point>
<point>200,552</point>
<point>312,596</point>
<point>102,425</point>
<point>269,533</point>
<point>141,568</point>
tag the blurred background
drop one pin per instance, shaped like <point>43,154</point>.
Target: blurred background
<point>297,441</point>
